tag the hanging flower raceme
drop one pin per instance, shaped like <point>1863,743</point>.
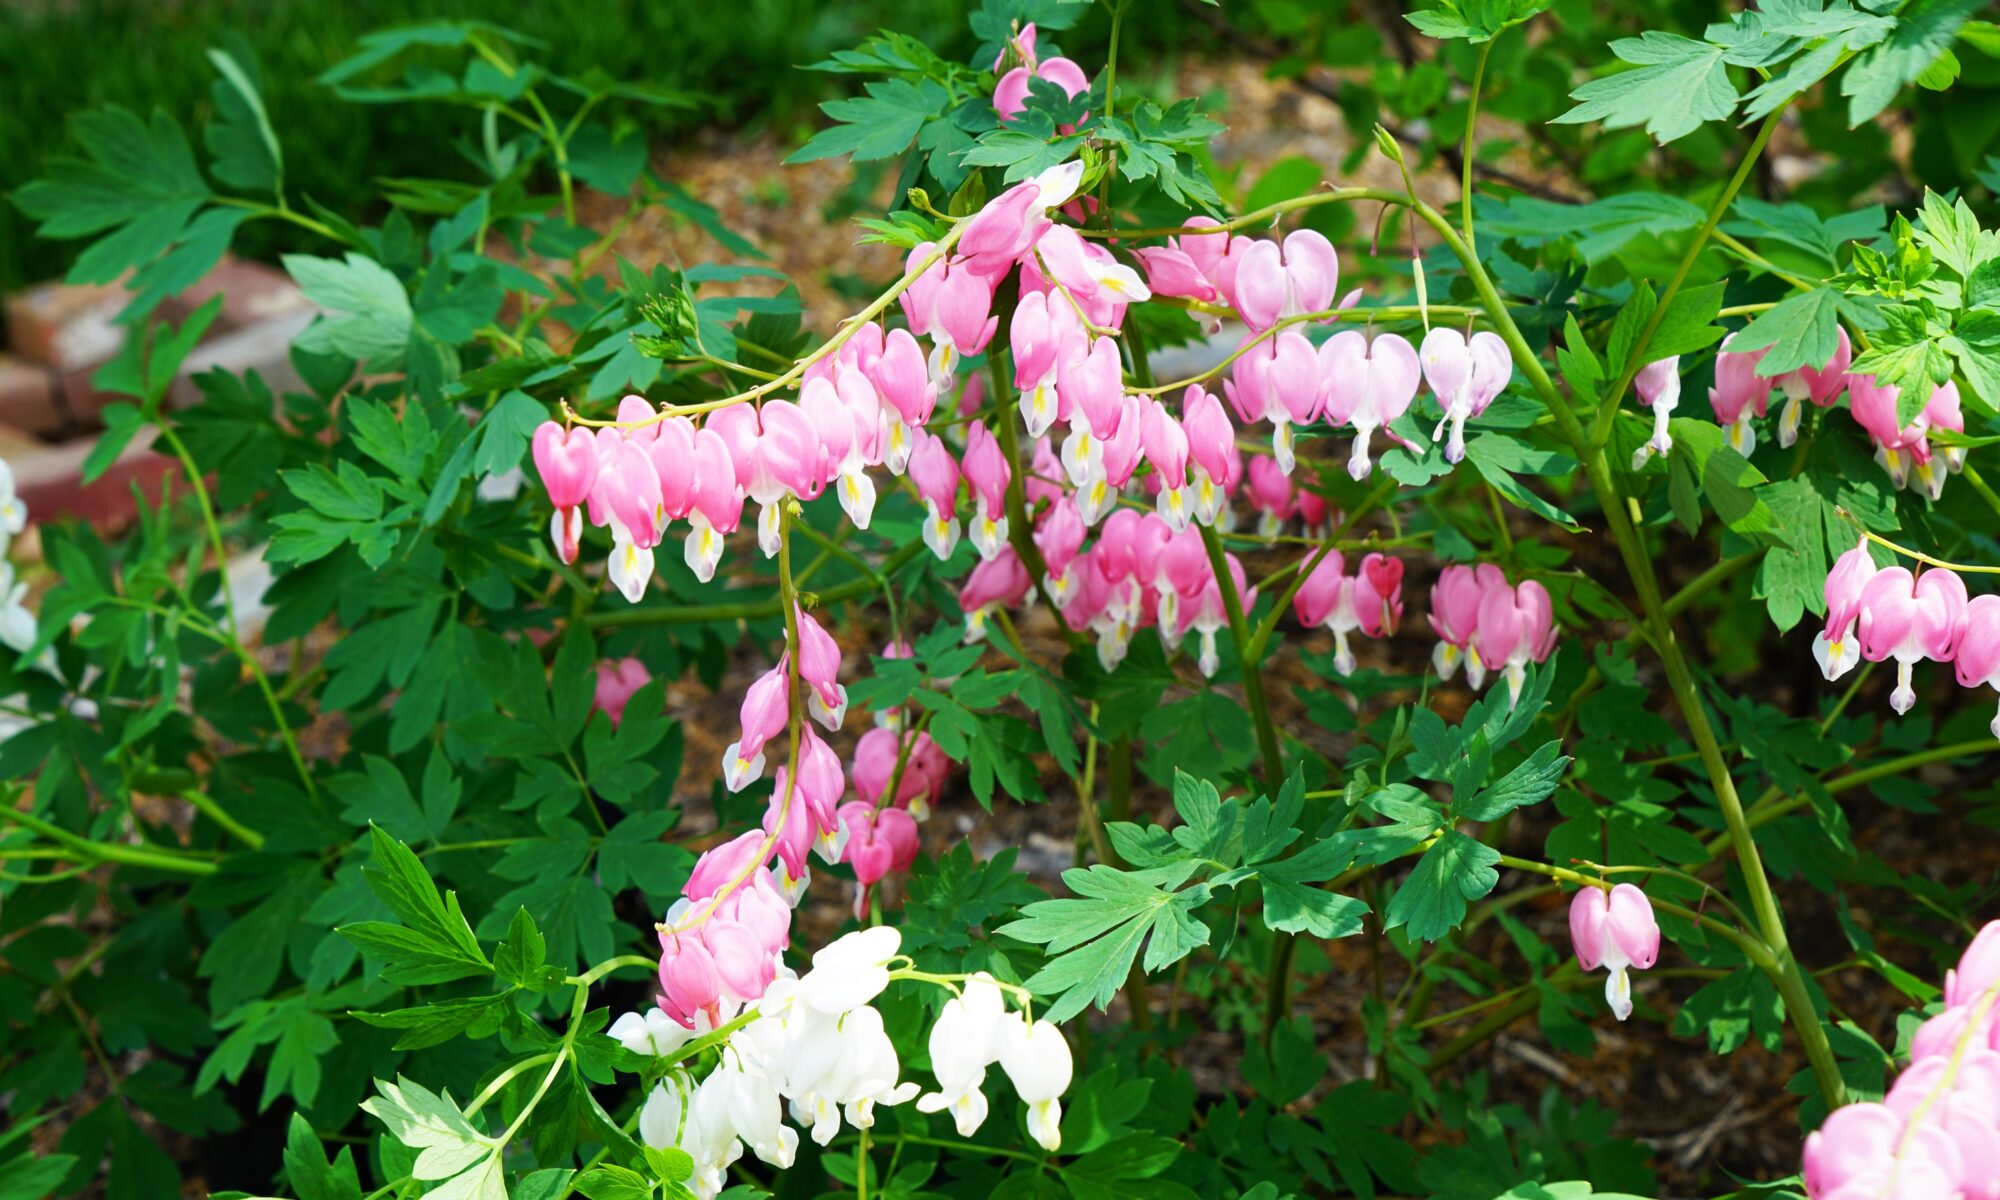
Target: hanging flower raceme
<point>1658,386</point>
<point>1977,659</point>
<point>814,1046</point>
<point>879,841</point>
<point>1369,384</point>
<point>1835,647</point>
<point>1465,376</point>
<point>1905,451</point>
<point>1936,1134</point>
<point>1369,601</point>
<point>1516,627</point>
<point>1738,395</point>
<point>1614,930</point>
<point>925,768</point>
<point>1454,617</point>
<point>1909,618</point>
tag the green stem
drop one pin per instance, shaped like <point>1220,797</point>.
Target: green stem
<point>1471,124</point>
<point>1253,682</point>
<point>208,805</point>
<point>109,852</point>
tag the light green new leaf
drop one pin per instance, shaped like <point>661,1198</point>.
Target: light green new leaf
<point>1096,936</point>
<point>1453,872</point>
<point>369,314</point>
<point>1802,330</point>
<point>1474,20</point>
<point>430,1123</point>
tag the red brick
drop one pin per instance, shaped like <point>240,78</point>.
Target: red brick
<point>49,480</point>
<point>66,326</point>
<point>27,396</point>
<point>251,292</point>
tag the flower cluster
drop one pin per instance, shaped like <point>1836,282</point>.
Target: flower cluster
<point>1490,625</point>
<point>814,1044</point>
<point>1614,929</point>
<point>1880,613</point>
<point>1741,394</point>
<point>1936,1135</point>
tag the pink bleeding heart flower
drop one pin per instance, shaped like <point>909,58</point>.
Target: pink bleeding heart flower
<point>672,453</point>
<point>1378,594</point>
<point>1739,394</point>
<point>998,582</point>
<point>1294,392</point>
<point>720,867</point>
<point>1834,648</point>
<point>1905,452</point>
<point>1455,601</point>
<point>1093,385</point>
<point>1822,385</point>
<point>617,679</point>
<point>628,490</point>
<point>880,841</point>
<point>902,379</point>
<point>1270,284</point>
<point>566,459</point>
<point>1658,385</point>
<point>742,965</point>
<point>1615,930</point>
<point>935,474</point>
<point>1270,493</point>
<point>1165,443</point>
<point>1211,449</point>
<point>1010,95</point>
<point>1907,618</point>
<point>962,323</point>
<point>689,982</point>
<point>717,506</point>
<point>1314,603</point>
<point>1006,228</point>
<point>1042,335</point>
<point>1516,626</point>
<point>919,299</point>
<point>1369,385</point>
<point>764,713</point>
<point>987,475</point>
<point>1978,658</point>
<point>1465,376</point>
<point>1058,537</point>
<point>819,671</point>
<point>842,464</point>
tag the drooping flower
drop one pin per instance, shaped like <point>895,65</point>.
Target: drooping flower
<point>1977,659</point>
<point>1269,283</point>
<point>1037,1062</point>
<point>1834,647</point>
<point>566,459</point>
<point>617,679</point>
<point>1658,386</point>
<point>1454,617</point>
<point>1738,395</point>
<point>1615,930</point>
<point>1909,618</point>
<point>1465,376</point>
<point>1516,627</point>
<point>1369,385</point>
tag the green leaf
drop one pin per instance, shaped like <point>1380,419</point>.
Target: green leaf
<point>309,1172</point>
<point>612,1182</point>
<point>1801,227</point>
<point>241,138</point>
<point>434,943</point>
<point>1924,30</point>
<point>139,183</point>
<point>1093,939</point>
<point>1432,901</point>
<point>1529,783</point>
<point>1474,20</point>
<point>439,1021</point>
<point>1599,229</point>
<point>881,124</point>
<point>1677,84</point>
<point>433,1124</point>
<point>368,312</point>
<point>1802,330</point>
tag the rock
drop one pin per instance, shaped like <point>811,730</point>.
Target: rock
<point>68,326</point>
<point>27,396</point>
<point>252,293</point>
